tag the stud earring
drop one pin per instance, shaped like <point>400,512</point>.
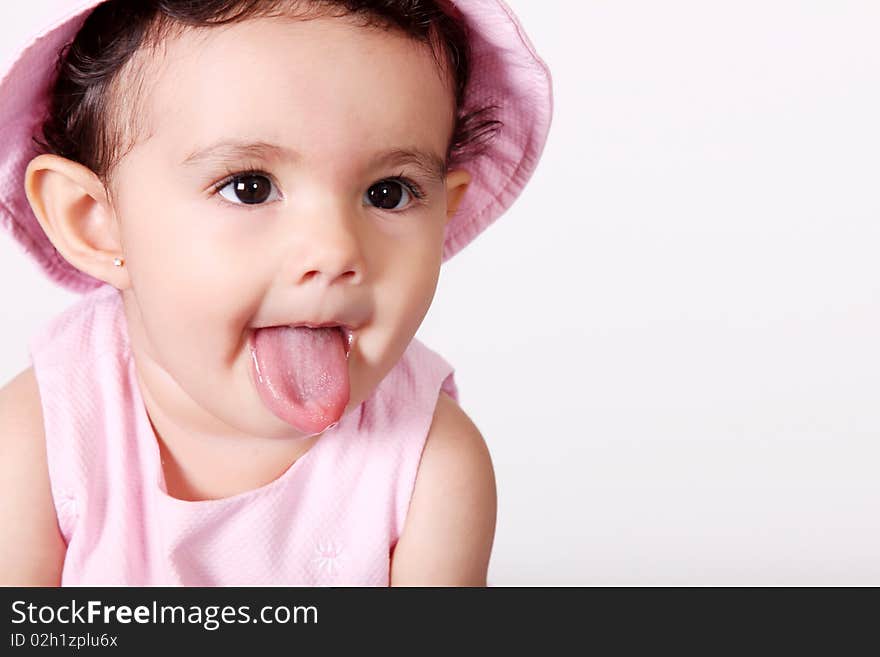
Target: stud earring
<point>118,261</point>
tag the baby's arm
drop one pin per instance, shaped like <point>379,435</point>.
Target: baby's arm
<point>31,547</point>
<point>450,525</point>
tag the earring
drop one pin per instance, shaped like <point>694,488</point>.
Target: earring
<point>118,261</point>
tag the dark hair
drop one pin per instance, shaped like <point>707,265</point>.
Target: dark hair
<point>81,127</point>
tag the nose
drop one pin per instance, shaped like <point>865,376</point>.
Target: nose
<point>329,250</point>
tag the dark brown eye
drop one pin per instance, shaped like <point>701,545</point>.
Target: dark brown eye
<point>387,195</point>
<point>249,189</point>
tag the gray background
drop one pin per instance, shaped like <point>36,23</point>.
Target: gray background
<point>670,341</point>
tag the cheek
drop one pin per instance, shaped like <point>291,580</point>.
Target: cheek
<point>191,288</point>
<point>403,260</point>
<point>174,247</point>
<point>410,288</point>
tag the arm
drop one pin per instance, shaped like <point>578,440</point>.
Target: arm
<point>31,546</point>
<point>450,525</point>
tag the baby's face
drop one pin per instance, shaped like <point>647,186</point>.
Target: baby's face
<point>328,103</point>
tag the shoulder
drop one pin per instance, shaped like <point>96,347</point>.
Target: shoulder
<point>450,525</point>
<point>31,547</point>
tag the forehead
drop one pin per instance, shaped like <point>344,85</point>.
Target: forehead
<point>323,85</point>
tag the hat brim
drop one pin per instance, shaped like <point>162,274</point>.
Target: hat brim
<point>508,73</point>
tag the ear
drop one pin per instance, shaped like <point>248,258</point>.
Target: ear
<point>456,185</point>
<point>76,214</point>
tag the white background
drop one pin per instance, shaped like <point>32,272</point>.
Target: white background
<point>670,341</point>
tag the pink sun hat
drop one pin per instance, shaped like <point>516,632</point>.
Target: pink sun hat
<point>505,72</point>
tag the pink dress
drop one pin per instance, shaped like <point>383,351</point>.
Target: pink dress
<point>331,519</point>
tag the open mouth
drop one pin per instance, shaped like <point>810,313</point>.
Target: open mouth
<point>347,332</point>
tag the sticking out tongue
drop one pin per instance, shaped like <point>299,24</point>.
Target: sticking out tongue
<point>302,374</point>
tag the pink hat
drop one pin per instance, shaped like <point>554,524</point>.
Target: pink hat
<point>505,71</point>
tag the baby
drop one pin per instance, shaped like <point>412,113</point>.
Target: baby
<point>255,198</point>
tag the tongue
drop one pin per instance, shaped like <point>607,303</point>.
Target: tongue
<point>302,375</point>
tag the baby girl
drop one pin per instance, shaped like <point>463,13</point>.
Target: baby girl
<point>255,199</point>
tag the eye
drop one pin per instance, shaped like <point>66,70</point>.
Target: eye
<point>391,194</point>
<point>247,189</point>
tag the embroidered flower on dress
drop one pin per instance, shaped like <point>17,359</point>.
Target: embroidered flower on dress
<point>327,557</point>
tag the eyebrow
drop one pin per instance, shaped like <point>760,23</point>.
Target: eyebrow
<point>230,151</point>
